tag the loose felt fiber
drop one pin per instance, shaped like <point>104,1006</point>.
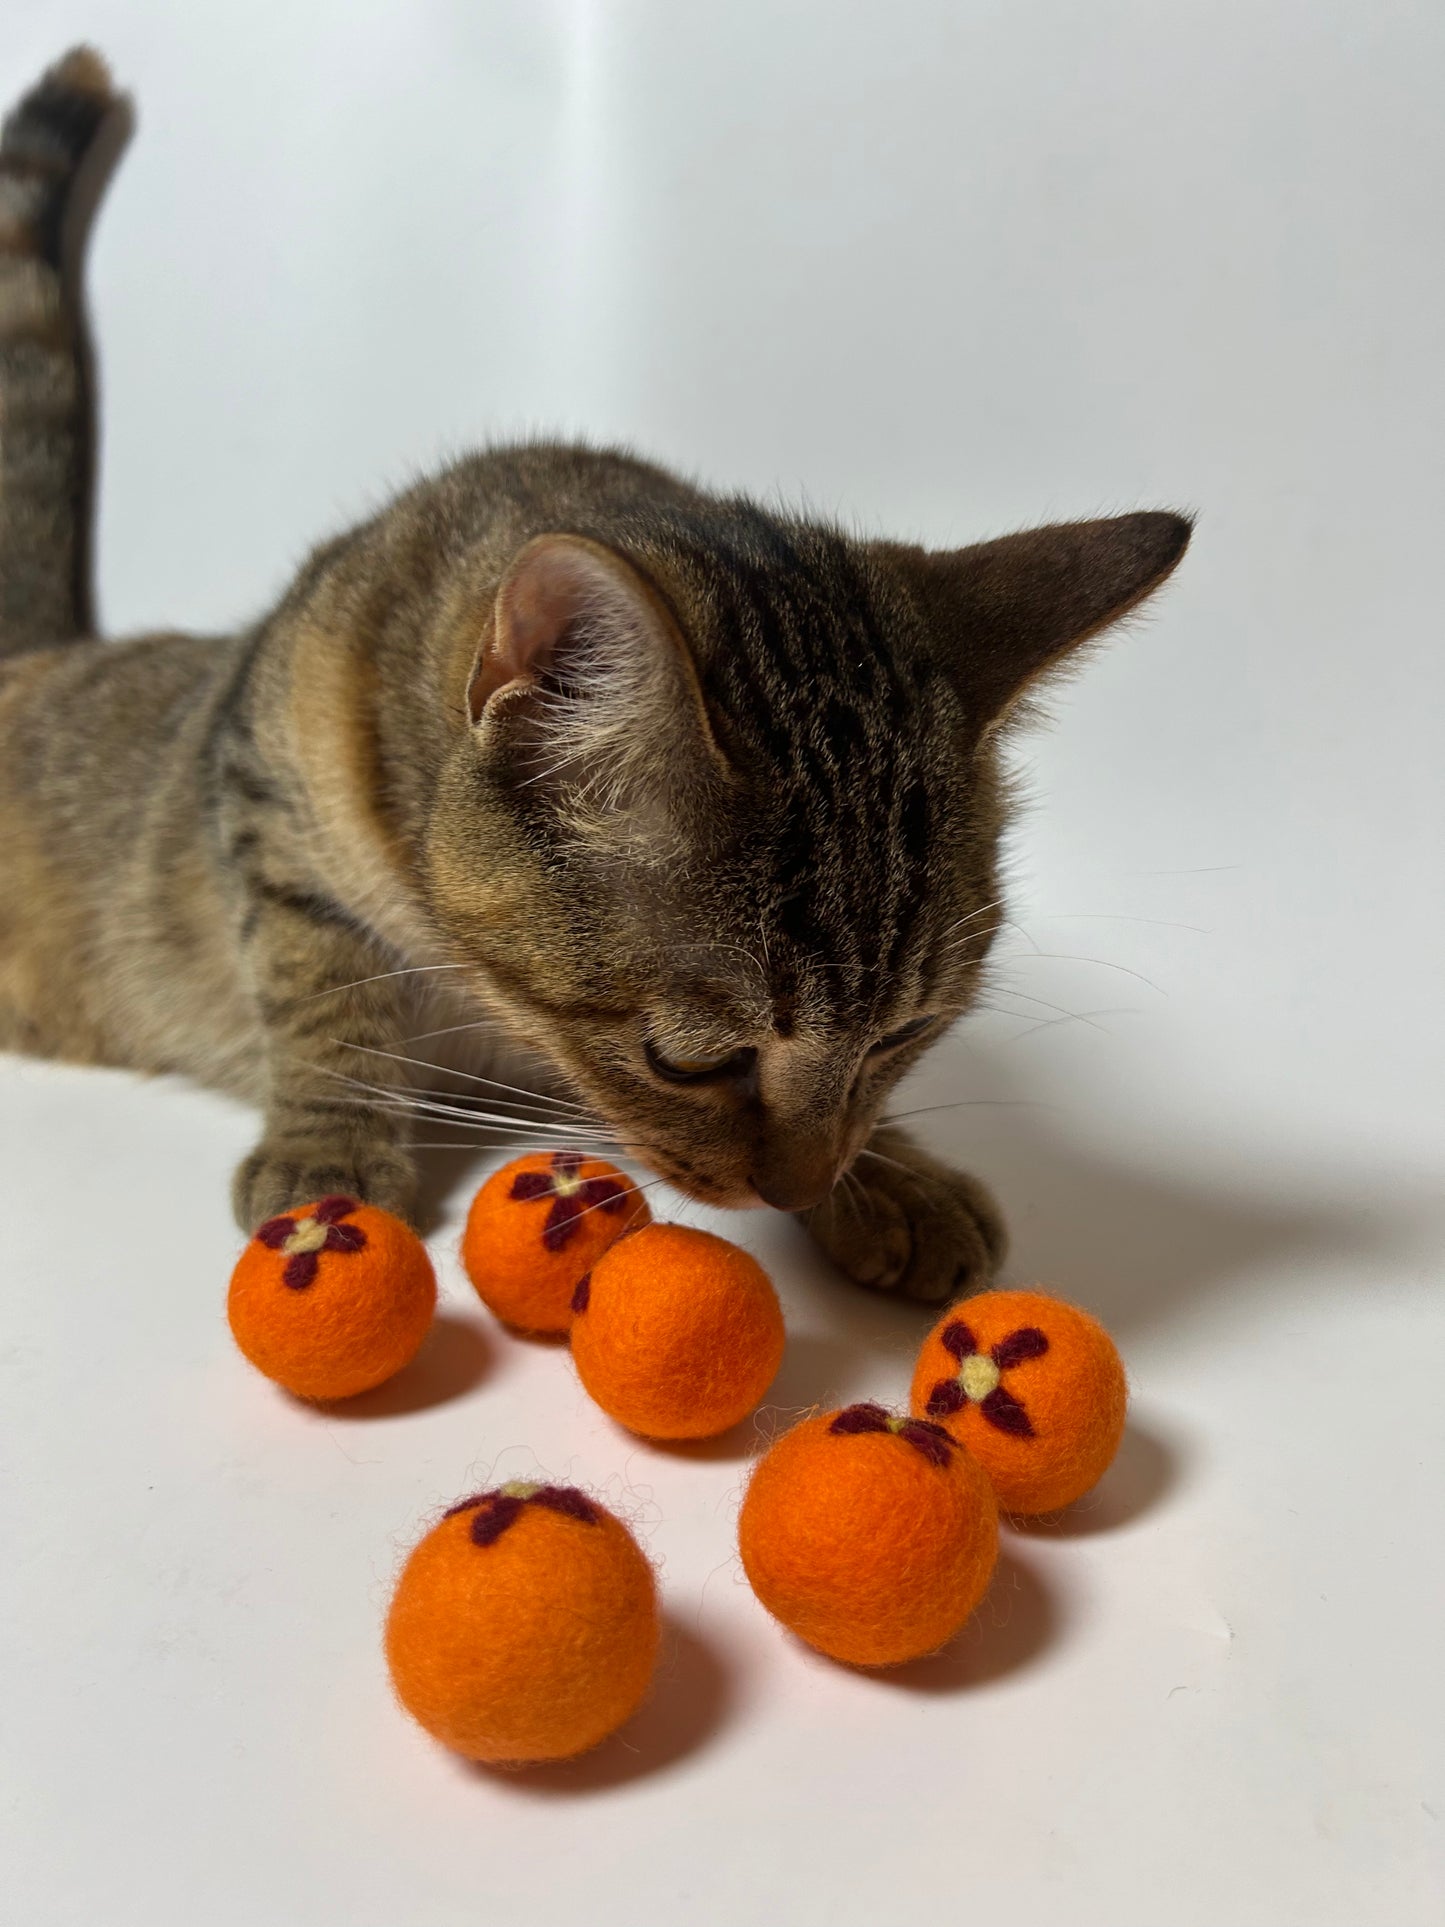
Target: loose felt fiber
<point>871,1537</point>
<point>1033,1387</point>
<point>678,1334</point>
<point>524,1626</point>
<point>332,1299</point>
<point>537,1226</point>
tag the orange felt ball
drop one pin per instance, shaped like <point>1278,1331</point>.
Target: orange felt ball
<point>524,1626</point>
<point>332,1298</point>
<point>871,1537</point>
<point>677,1334</point>
<point>1033,1387</point>
<point>537,1226</point>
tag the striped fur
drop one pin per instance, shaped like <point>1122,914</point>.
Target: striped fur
<point>690,808</point>
<point>45,454</point>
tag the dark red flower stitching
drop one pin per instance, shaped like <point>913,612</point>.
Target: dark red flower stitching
<point>958,1339</point>
<point>299,1272</point>
<point>497,1510</point>
<point>931,1440</point>
<point>1027,1342</point>
<point>304,1238</point>
<point>977,1379</point>
<point>1003,1410</point>
<point>860,1418</point>
<point>566,1499</point>
<point>275,1232</point>
<point>493,1516</point>
<point>331,1210</point>
<point>572,1195</point>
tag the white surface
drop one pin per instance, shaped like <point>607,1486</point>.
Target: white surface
<point>948,269</point>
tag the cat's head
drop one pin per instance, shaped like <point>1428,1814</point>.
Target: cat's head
<point>722,836</point>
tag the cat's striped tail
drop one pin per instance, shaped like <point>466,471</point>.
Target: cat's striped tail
<point>45,427</point>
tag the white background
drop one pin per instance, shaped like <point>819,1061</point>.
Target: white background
<point>942,269</point>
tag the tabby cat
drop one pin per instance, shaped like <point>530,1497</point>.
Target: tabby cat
<point>688,808</point>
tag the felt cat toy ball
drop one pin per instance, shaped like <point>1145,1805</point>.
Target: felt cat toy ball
<point>871,1537</point>
<point>1035,1390</point>
<point>524,1626</point>
<point>537,1226</point>
<point>676,1333</point>
<point>332,1298</point>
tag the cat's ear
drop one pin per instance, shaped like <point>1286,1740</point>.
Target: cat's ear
<point>583,689</point>
<point>1002,614</point>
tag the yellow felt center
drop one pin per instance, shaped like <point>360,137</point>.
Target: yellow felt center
<point>567,1184</point>
<point>520,1488</point>
<point>978,1376</point>
<point>309,1235</point>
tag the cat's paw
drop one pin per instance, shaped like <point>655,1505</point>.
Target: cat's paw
<point>911,1227</point>
<point>283,1173</point>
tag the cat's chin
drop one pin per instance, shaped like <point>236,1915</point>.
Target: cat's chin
<point>720,1197</point>
<point>745,1199</point>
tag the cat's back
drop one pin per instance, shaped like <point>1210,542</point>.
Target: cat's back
<point>103,838</point>
<point>87,716</point>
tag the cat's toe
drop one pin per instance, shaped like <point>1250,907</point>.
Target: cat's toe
<point>866,1236</point>
<point>950,1256</point>
<point>278,1176</point>
<point>920,1234</point>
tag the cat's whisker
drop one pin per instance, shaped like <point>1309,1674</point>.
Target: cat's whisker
<point>963,1104</point>
<point>491,1083</point>
<point>852,1204</point>
<point>921,1181</point>
<point>957,956</point>
<point>451,1030</point>
<point>1007,990</point>
<point>408,1102</point>
<point>544,1135</point>
<point>381,977</point>
<point>522,1146</point>
<point>958,948</point>
<point>1114,916</point>
<point>629,1190</point>
<point>920,1178</point>
<point>972,917</point>
<point>405,1096</point>
<point>854,1190</point>
<point>411,1097</point>
<point>1073,956</point>
<point>1052,1023</point>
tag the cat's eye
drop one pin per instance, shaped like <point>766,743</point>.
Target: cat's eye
<point>905,1034</point>
<point>695,1070</point>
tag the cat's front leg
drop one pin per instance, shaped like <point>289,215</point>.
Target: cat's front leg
<point>903,1222</point>
<point>329,1001</point>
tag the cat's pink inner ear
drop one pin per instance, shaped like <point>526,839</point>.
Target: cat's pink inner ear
<point>558,589</point>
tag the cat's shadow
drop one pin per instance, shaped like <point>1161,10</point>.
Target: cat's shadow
<point>1141,1246</point>
<point>446,1175</point>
